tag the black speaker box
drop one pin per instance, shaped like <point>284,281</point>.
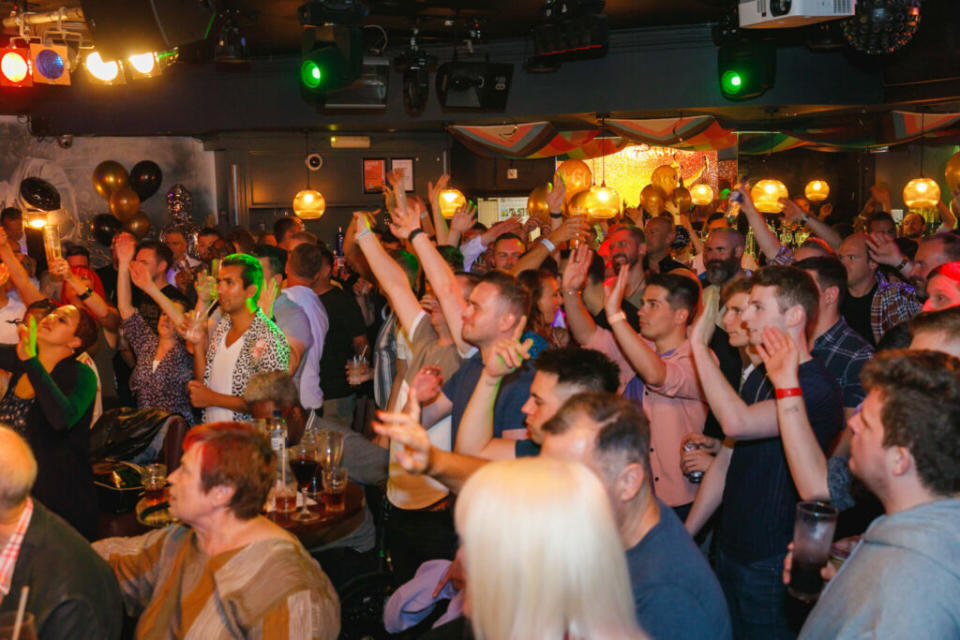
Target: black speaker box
<point>122,28</point>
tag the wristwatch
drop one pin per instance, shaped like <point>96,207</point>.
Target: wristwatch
<point>902,264</point>
<point>86,294</point>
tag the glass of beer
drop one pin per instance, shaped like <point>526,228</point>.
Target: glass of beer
<point>154,478</point>
<point>812,537</point>
<point>330,448</point>
<point>51,242</point>
<point>334,488</point>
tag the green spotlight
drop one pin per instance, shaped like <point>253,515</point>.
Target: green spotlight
<point>732,82</point>
<point>310,74</point>
<point>746,69</point>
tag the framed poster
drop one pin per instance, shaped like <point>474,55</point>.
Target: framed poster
<point>405,165</point>
<point>374,174</point>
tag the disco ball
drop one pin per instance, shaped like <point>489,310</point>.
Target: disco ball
<point>882,26</point>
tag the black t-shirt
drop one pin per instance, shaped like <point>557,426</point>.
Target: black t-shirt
<point>108,278</point>
<point>149,309</point>
<point>856,311</point>
<point>346,323</point>
<point>759,497</point>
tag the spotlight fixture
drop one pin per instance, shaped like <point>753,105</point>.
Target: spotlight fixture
<point>746,69</point>
<point>569,30</point>
<point>415,64</point>
<point>231,52</point>
<point>474,85</point>
<point>332,59</point>
<point>105,72</point>
<point>15,67</point>
<point>50,63</point>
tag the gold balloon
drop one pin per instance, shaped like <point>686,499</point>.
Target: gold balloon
<point>576,176</point>
<point>652,199</point>
<point>766,196</point>
<point>682,198</point>
<point>124,203</point>
<point>537,206</point>
<point>138,225</point>
<point>952,172</point>
<point>664,177</point>
<point>108,178</point>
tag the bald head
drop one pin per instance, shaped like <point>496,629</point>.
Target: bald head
<point>18,469</point>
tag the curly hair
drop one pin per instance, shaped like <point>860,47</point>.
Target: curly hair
<point>921,411</point>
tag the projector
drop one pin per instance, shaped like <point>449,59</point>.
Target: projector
<point>785,14</point>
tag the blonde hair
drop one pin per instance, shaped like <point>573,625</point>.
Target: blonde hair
<point>543,556</point>
<point>18,468</point>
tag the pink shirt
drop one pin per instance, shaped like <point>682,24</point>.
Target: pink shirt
<point>674,409</point>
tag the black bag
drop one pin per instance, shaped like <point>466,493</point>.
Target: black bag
<point>124,433</point>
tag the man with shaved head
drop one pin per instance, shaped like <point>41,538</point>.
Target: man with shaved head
<point>722,256</point>
<point>660,233</point>
<point>872,304</point>
<point>72,592</point>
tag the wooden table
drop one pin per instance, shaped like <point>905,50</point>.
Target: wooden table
<point>331,525</point>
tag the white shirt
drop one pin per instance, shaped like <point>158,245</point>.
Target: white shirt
<point>221,377</point>
<point>10,314</point>
<point>311,396</point>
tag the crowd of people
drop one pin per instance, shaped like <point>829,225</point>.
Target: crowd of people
<point>578,431</point>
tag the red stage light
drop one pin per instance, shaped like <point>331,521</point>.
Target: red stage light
<point>15,68</point>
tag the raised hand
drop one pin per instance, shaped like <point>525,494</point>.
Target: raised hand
<point>27,345</point>
<point>575,273</point>
<point>883,249</point>
<point>781,358</point>
<point>404,221</point>
<point>706,321</point>
<point>571,228</point>
<point>433,190</point>
<point>791,210</point>
<point>140,276</point>
<point>405,429</point>
<point>268,295</point>
<point>464,218</point>
<point>426,384</point>
<point>613,292</point>
<point>59,269</point>
<point>508,354</point>
<point>556,193</point>
<point>125,246</point>
<point>206,286</point>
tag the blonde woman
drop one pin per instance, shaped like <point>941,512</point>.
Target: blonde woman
<point>542,554</point>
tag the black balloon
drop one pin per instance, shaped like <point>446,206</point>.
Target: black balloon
<point>105,226</point>
<point>40,194</point>
<point>145,178</point>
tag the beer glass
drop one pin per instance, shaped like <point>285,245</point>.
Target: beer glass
<point>812,537</point>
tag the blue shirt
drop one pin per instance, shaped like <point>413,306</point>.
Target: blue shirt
<point>514,391</point>
<point>844,352</point>
<point>759,497</point>
<point>675,593</point>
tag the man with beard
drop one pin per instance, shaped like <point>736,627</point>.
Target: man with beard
<point>722,255</point>
<point>627,249</point>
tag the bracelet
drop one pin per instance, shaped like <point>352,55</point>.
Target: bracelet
<point>423,215</point>
<point>788,393</point>
<point>414,234</point>
<point>86,294</point>
<point>556,215</point>
<point>619,316</point>
<point>363,233</point>
<point>902,264</point>
<point>804,218</point>
<point>549,245</point>
<point>571,292</point>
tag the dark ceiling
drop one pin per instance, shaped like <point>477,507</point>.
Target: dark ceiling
<point>272,27</point>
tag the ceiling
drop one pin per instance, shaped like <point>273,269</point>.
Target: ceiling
<point>272,27</point>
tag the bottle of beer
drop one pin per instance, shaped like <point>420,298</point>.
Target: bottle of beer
<point>339,242</point>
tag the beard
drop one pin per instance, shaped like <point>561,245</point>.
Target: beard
<point>721,271</point>
<point>623,260</point>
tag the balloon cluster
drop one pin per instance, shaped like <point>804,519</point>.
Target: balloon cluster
<point>576,176</point>
<point>124,192</point>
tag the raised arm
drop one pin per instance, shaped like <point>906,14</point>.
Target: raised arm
<point>103,312</point>
<point>644,360</point>
<point>433,193</point>
<point>438,273</point>
<point>808,464</point>
<point>18,275</point>
<point>391,277</point>
<point>570,228</point>
<point>475,434</point>
<point>764,237</point>
<point>125,248</point>
<point>579,321</point>
<point>792,211</point>
<point>738,419</point>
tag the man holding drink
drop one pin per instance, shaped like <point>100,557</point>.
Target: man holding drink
<point>903,579</point>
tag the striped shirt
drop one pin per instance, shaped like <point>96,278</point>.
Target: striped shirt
<point>270,588</point>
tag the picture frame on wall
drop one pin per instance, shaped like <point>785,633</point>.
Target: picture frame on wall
<point>406,165</point>
<point>374,174</point>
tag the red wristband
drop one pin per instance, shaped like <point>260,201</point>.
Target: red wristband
<point>789,393</point>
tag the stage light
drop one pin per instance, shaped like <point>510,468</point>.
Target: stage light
<point>144,63</point>
<point>746,70</point>
<point>105,72</point>
<point>50,64</point>
<point>15,68</point>
<point>334,60</point>
<point>311,74</point>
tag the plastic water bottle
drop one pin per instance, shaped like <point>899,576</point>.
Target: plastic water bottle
<point>278,434</point>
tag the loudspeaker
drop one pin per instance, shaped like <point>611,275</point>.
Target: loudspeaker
<point>122,28</point>
<point>474,85</point>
